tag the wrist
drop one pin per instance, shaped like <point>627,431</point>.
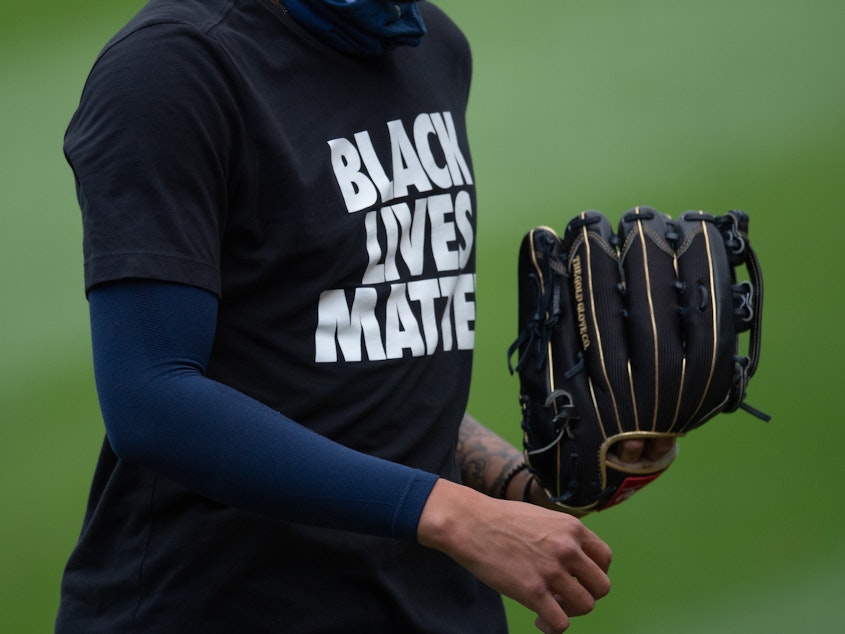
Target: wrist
<point>436,528</point>
<point>510,483</point>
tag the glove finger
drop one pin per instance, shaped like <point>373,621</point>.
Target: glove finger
<point>595,290</point>
<point>655,339</point>
<point>707,319</point>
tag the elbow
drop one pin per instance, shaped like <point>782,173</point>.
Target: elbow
<point>125,429</point>
<point>132,409</point>
<point>145,417</point>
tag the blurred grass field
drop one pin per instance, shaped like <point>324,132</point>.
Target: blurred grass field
<point>714,105</point>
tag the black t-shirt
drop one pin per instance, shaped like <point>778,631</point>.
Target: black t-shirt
<point>329,202</point>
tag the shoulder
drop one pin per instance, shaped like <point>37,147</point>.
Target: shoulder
<point>441,26</point>
<point>162,77</point>
<point>200,16</point>
<point>165,37</point>
<point>446,48</point>
<point>165,54</point>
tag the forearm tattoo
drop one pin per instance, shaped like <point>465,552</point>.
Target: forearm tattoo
<point>485,458</point>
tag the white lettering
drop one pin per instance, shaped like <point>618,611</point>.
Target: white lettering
<point>423,131</point>
<point>391,230</point>
<point>413,298</point>
<point>374,274</point>
<point>338,325</point>
<point>412,241</point>
<point>465,312</point>
<point>447,290</point>
<point>425,292</point>
<point>407,169</point>
<point>374,167</point>
<point>445,127</point>
<point>358,191</point>
<point>420,317</point>
<point>463,218</point>
<point>401,330</point>
<point>443,233</point>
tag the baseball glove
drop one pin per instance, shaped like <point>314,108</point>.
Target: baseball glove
<point>629,335</point>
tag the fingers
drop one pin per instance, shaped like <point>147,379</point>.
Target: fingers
<point>551,617</point>
<point>549,629</point>
<point>630,451</point>
<point>634,450</point>
<point>589,580</point>
<point>656,448</point>
<point>574,588</point>
<point>576,599</point>
<point>554,611</point>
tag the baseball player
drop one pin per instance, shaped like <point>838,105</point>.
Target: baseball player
<point>279,220</point>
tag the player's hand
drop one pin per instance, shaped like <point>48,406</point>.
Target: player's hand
<point>638,449</point>
<point>550,562</point>
<point>627,451</point>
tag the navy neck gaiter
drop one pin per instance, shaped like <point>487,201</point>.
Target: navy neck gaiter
<point>360,27</point>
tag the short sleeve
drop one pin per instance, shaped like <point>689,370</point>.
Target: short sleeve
<point>151,146</point>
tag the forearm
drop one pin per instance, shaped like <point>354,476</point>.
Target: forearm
<point>490,464</point>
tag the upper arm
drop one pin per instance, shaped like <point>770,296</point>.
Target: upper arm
<point>146,337</point>
<point>151,144</point>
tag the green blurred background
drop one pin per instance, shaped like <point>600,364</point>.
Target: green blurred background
<point>713,104</point>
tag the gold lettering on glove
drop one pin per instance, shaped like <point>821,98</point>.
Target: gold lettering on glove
<point>579,302</point>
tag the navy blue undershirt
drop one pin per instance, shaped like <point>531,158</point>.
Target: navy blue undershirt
<point>151,342</point>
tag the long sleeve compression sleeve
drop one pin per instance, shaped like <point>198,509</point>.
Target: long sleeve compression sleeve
<point>151,342</point>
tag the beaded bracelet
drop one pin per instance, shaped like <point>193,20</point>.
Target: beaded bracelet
<point>509,478</point>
